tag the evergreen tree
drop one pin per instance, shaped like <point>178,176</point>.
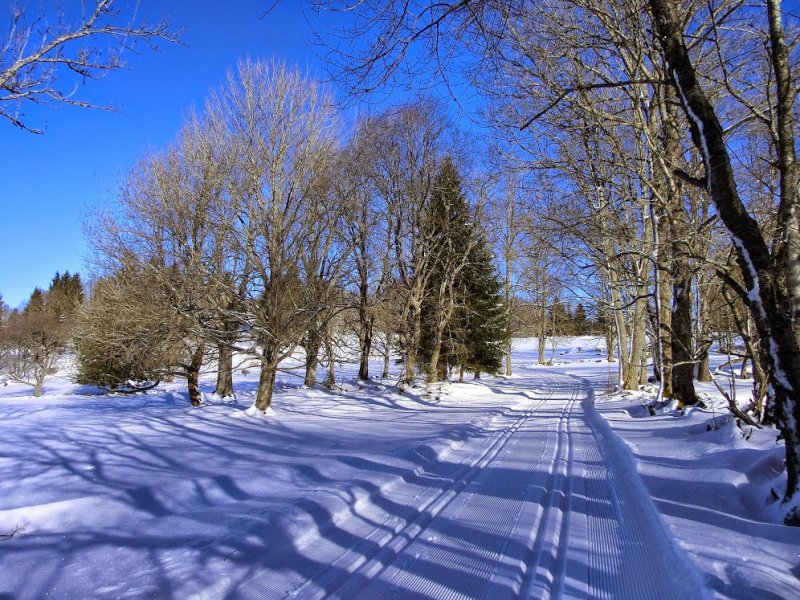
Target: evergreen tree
<point>463,293</point>
<point>579,320</point>
<point>65,295</point>
<point>36,303</point>
<point>484,320</point>
<point>449,230</point>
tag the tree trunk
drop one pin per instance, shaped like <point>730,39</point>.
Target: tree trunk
<point>704,341</point>
<point>365,331</point>
<point>611,346</point>
<point>193,375</point>
<point>682,355</point>
<point>507,289</point>
<point>679,238</point>
<point>330,356</point>
<point>433,366</point>
<point>38,383</point>
<point>224,387</point>
<point>312,345</point>
<point>412,343</point>
<point>266,385</point>
<point>387,355</point>
<point>633,374</point>
<point>704,366</point>
<point>788,234</point>
<point>768,303</point>
<point>542,344</point>
<point>664,285</point>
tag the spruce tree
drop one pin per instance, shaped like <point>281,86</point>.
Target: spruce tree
<point>65,295</point>
<point>484,317</point>
<point>463,292</point>
<point>449,230</point>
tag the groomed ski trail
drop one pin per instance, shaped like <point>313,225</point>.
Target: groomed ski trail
<point>543,503</point>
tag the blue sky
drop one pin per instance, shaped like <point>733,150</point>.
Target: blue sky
<point>51,181</point>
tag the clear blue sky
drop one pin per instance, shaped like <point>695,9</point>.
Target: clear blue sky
<point>50,181</point>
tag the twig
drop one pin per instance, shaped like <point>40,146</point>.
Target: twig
<point>18,529</point>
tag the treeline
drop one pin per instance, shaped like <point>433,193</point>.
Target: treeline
<point>258,232</point>
<point>32,340</point>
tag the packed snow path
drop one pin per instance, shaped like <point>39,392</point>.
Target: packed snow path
<point>498,489</point>
<point>526,508</point>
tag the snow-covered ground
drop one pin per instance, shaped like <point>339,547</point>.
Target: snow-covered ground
<point>535,485</point>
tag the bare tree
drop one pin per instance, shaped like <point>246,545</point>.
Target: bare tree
<point>367,232</point>
<point>282,127</point>
<point>33,340</point>
<point>413,143</point>
<point>509,215</point>
<point>769,303</point>
<point>45,57</point>
<point>171,228</point>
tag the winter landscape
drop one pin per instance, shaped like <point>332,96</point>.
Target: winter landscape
<point>535,485</point>
<point>400,299</point>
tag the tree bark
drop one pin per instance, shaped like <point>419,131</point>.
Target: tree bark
<point>330,356</point>
<point>224,387</point>
<point>704,341</point>
<point>681,331</point>
<point>788,234</point>
<point>387,355</point>
<point>542,346</point>
<point>312,344</point>
<point>664,284</point>
<point>683,357</point>
<point>433,365</point>
<point>266,385</point>
<point>38,384</point>
<point>412,343</point>
<point>365,328</point>
<point>507,291</point>
<point>611,345</point>
<point>767,302</point>
<point>193,375</point>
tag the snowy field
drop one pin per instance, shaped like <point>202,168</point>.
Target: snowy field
<point>538,485</point>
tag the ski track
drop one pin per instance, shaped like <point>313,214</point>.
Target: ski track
<point>531,510</point>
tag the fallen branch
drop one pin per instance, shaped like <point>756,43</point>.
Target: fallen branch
<point>738,413</point>
<point>18,529</point>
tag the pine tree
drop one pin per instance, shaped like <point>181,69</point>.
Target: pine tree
<point>463,293</point>
<point>36,303</point>
<point>579,320</point>
<point>484,317</point>
<point>65,295</point>
<point>449,231</point>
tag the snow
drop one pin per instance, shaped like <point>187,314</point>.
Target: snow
<point>537,485</point>
<point>754,296</point>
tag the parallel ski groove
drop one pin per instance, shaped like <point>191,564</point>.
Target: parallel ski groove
<point>396,533</point>
<point>605,562</point>
<point>548,542</point>
<point>495,521</point>
<point>495,516</point>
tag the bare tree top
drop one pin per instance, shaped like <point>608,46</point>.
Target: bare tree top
<point>45,56</point>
